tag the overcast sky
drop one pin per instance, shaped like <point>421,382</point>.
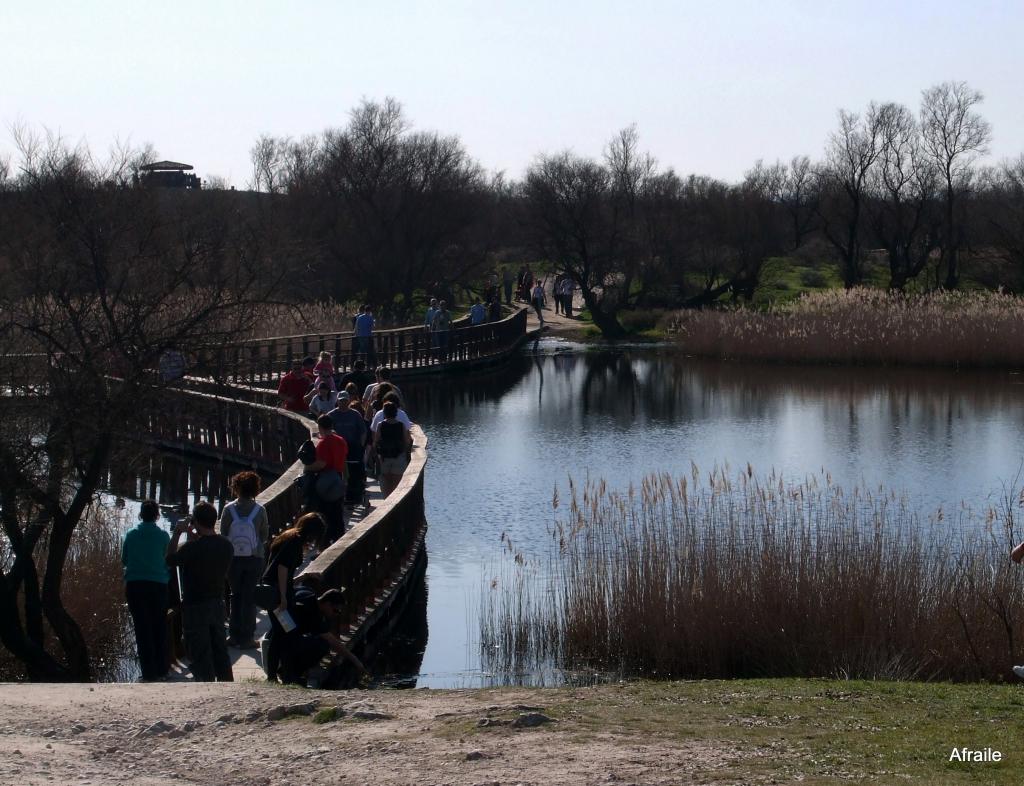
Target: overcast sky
<point>712,86</point>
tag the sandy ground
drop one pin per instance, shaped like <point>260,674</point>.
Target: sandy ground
<point>221,734</point>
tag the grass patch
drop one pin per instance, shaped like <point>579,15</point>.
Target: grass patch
<point>819,731</point>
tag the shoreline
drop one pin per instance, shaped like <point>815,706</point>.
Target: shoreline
<point>743,731</point>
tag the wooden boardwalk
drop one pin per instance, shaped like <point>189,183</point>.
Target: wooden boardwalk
<point>384,547</point>
<point>248,664</point>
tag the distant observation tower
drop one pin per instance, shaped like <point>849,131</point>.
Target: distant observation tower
<point>168,174</point>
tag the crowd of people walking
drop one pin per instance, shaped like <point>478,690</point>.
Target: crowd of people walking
<point>231,563</point>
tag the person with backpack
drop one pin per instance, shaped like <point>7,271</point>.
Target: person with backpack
<point>244,522</point>
<point>393,443</point>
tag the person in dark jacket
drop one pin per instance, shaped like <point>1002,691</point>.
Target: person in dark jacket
<point>145,588</point>
<point>204,561</point>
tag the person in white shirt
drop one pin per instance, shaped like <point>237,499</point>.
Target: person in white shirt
<point>322,400</point>
<point>379,416</point>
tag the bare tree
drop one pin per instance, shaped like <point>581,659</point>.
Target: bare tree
<point>901,188</point>
<point>384,210</point>
<point>953,135</point>
<point>799,195</point>
<point>850,155</point>
<point>1004,211</point>
<point>98,278</point>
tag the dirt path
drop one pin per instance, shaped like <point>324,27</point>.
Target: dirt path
<point>231,734</point>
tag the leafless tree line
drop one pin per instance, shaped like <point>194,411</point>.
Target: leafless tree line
<point>387,212</point>
<point>98,279</point>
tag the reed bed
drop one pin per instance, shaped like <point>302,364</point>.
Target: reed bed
<point>723,577</point>
<point>93,593</point>
<point>280,319</point>
<point>868,326</point>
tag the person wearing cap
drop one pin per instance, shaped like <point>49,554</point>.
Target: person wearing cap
<point>351,426</point>
<point>293,387</point>
<point>321,399</point>
<point>313,636</point>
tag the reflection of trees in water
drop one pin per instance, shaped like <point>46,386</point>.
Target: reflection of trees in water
<point>434,399</point>
<point>671,386</point>
<point>635,386</point>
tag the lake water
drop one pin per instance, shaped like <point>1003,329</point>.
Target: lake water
<point>501,444</point>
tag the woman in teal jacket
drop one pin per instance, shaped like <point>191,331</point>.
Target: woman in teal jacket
<point>145,586</point>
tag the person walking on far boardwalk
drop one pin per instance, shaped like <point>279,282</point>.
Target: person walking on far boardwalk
<point>204,561</point>
<point>145,588</point>
<point>477,314</point>
<point>244,522</point>
<point>538,301</point>
<point>441,327</point>
<point>527,284</point>
<point>364,335</point>
<point>508,279</point>
<point>568,291</point>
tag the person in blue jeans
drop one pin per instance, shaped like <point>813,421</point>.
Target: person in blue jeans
<point>364,335</point>
<point>145,589</point>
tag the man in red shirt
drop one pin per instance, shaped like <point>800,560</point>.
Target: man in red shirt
<point>293,388</point>
<point>331,450</point>
<point>331,476</point>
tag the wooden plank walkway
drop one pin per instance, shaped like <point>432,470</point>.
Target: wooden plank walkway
<point>248,664</point>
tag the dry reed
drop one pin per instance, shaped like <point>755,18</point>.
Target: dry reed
<point>93,594</point>
<point>720,577</point>
<point>869,326</point>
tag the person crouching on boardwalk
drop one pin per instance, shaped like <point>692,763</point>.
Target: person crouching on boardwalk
<point>313,636</point>
<point>204,561</point>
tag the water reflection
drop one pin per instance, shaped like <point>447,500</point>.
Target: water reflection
<point>501,445</point>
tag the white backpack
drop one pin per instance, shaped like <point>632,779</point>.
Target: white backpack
<point>242,534</point>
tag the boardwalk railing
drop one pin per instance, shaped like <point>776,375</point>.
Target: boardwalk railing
<point>370,562</point>
<point>410,349</point>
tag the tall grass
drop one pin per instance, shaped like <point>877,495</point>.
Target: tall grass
<point>93,594</point>
<point>718,577</point>
<point>864,326</point>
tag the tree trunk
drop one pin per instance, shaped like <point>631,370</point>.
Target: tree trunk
<point>606,321</point>
<point>69,634</point>
<point>39,664</point>
<point>949,248</point>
